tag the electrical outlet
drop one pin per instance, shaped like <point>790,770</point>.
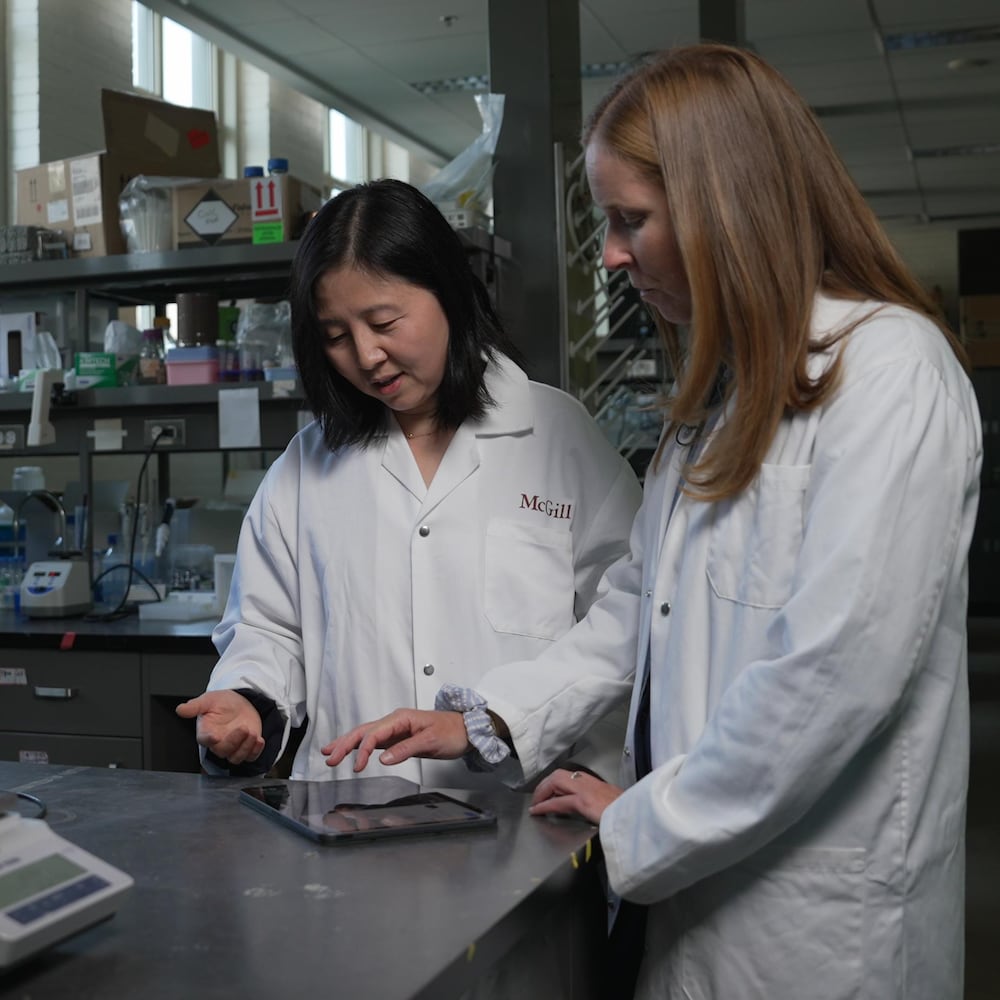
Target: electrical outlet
<point>11,437</point>
<point>168,432</point>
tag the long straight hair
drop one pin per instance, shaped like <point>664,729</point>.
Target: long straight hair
<point>766,215</point>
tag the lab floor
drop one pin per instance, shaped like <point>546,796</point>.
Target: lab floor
<point>982,958</point>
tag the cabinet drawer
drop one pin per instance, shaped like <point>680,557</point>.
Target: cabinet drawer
<point>90,751</point>
<point>94,694</point>
<point>180,676</point>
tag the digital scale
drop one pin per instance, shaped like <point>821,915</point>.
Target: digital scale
<point>50,889</point>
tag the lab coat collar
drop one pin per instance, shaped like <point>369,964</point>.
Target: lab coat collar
<point>513,413</point>
<point>511,392</point>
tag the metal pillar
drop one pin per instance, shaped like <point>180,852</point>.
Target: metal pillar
<point>535,63</point>
<point>722,21</point>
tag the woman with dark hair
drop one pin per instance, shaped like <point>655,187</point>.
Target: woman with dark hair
<point>441,515</point>
<point>794,610</point>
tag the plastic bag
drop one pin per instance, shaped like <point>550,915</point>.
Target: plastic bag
<point>145,212</point>
<point>466,182</point>
<point>264,338</point>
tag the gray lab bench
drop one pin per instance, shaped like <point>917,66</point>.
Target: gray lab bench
<point>228,903</point>
<point>101,693</point>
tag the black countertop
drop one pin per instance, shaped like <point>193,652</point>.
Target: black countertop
<point>128,633</point>
<point>228,903</point>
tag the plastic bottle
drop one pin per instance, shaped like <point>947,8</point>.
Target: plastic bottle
<point>277,165</point>
<point>7,582</point>
<point>152,359</point>
<point>253,171</point>
<point>114,583</point>
<point>162,323</point>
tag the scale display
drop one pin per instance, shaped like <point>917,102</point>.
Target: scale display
<point>50,889</point>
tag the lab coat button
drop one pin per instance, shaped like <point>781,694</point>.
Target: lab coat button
<point>424,531</point>
<point>428,669</point>
<point>649,593</point>
<point>665,608</point>
<point>627,751</point>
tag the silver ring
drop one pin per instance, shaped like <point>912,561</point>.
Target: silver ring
<point>575,775</point>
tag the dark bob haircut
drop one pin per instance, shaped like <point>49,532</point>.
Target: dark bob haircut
<point>390,229</point>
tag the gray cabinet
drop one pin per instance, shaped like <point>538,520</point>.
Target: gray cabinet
<point>71,708</point>
<point>102,709</point>
<point>168,740</point>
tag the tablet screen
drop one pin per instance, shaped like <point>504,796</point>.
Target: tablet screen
<point>340,811</point>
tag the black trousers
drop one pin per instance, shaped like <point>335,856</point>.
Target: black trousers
<point>627,940</point>
<point>625,947</point>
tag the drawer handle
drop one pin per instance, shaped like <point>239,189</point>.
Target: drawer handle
<point>62,694</point>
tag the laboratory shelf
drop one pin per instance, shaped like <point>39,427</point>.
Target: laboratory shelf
<point>244,271</point>
<point>153,278</point>
<point>112,399</point>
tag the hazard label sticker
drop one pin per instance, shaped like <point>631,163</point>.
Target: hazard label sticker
<point>211,218</point>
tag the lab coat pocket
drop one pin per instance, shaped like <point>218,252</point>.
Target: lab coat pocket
<point>529,587</point>
<point>781,925</point>
<point>756,537</point>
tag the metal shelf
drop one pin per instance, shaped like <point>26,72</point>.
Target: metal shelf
<point>196,404</point>
<point>244,271</point>
<point>236,271</point>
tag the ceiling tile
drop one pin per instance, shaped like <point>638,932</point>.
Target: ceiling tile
<point>374,22</point>
<point>432,58</point>
<point>774,18</point>
<point>286,39</point>
<point>367,53</point>
<point>927,15</point>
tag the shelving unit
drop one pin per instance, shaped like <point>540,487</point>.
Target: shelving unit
<point>156,279</point>
<point>614,363</point>
<point>148,279</point>
<point>235,272</point>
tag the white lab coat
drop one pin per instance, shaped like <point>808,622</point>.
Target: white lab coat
<point>801,836</point>
<point>358,589</point>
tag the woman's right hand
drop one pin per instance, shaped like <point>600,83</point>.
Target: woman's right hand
<point>228,725</point>
<point>405,733</point>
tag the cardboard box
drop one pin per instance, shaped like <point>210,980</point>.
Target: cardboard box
<point>984,353</point>
<point>100,369</point>
<point>980,317</point>
<point>79,195</point>
<point>250,210</point>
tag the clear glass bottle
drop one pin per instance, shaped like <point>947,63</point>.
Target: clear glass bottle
<point>113,583</point>
<point>162,323</point>
<point>152,359</point>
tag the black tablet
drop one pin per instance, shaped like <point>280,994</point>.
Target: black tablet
<point>346,811</point>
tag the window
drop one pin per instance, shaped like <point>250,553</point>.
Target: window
<point>188,59</point>
<point>171,61</point>
<point>347,152</point>
<point>145,49</point>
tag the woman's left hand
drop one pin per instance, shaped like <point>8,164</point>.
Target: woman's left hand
<point>573,792</point>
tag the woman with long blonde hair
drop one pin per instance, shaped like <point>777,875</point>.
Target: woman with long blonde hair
<point>793,609</point>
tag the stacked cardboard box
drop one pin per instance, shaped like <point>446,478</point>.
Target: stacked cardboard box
<point>79,195</point>
<point>250,210</point>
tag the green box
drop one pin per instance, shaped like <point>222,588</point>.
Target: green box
<point>96,369</point>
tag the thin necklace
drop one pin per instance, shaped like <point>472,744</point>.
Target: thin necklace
<point>410,437</point>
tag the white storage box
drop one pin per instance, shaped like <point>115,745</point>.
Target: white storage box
<point>181,606</point>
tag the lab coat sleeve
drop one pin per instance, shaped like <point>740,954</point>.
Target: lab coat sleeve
<point>886,525</point>
<point>606,539</point>
<point>606,536</point>
<point>587,673</point>
<point>259,637</point>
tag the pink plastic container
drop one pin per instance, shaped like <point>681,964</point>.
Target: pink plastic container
<point>192,365</point>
